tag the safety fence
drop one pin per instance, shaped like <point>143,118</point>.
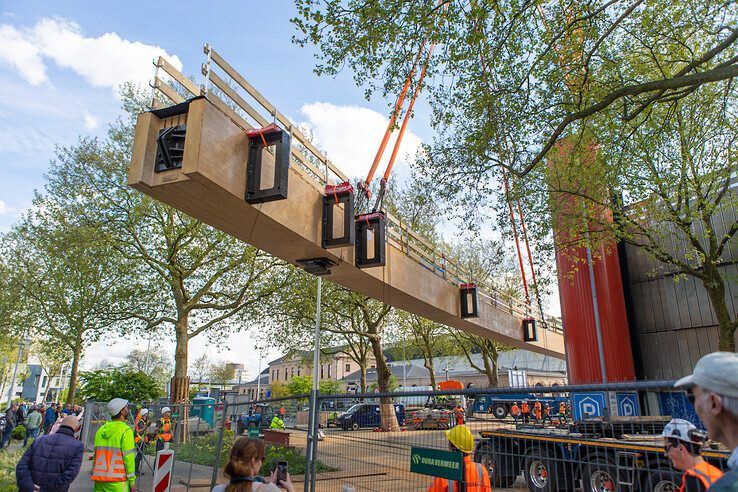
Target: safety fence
<point>597,437</point>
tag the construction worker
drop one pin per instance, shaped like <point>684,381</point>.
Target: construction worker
<point>459,414</point>
<point>276,423</point>
<point>525,410</point>
<point>547,414</point>
<point>475,476</point>
<point>114,467</point>
<point>140,437</point>
<point>562,413</point>
<point>164,428</point>
<point>683,446</point>
<point>515,411</point>
<point>537,410</point>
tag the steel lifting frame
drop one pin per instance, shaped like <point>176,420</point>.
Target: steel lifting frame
<point>259,139</point>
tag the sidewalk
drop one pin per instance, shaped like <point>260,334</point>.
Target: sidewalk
<point>200,475</point>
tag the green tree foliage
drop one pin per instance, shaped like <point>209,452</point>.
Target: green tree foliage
<point>103,386</point>
<point>155,362</point>
<point>300,385</point>
<point>508,79</point>
<point>221,373</point>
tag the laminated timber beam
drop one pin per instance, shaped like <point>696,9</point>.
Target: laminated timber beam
<point>210,185</point>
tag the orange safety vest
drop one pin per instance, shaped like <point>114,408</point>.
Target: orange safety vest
<point>139,433</point>
<point>705,472</point>
<point>514,410</point>
<point>475,476</point>
<point>562,408</point>
<point>108,465</point>
<point>165,430</point>
<point>525,408</point>
<point>537,409</point>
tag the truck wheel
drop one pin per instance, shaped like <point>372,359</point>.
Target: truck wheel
<point>500,410</point>
<point>355,426</point>
<point>662,481</point>
<point>490,460</point>
<point>600,475</point>
<point>540,471</point>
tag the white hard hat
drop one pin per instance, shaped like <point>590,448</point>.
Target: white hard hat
<point>165,410</point>
<point>144,411</point>
<point>682,430</point>
<point>116,405</point>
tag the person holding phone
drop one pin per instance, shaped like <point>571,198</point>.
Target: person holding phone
<point>246,459</point>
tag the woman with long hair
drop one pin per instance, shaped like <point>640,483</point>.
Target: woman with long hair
<point>247,456</point>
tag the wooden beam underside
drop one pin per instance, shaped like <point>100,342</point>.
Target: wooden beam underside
<point>211,187</point>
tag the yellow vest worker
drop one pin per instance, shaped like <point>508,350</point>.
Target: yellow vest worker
<point>475,475</point>
<point>113,467</point>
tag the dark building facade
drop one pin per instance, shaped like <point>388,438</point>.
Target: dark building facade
<point>672,323</point>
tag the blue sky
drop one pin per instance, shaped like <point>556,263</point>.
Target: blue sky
<point>60,64</point>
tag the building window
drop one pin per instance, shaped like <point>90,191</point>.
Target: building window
<point>298,371</point>
<point>43,381</point>
<point>292,372</point>
<point>329,370</point>
<point>321,371</point>
<point>348,367</point>
<point>373,366</point>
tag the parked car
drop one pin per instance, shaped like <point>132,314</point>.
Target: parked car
<point>366,415</point>
<point>259,417</point>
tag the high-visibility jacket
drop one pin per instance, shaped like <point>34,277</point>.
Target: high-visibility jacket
<point>537,409</point>
<point>164,432</point>
<point>562,408</point>
<point>475,476</point>
<point>139,431</point>
<point>525,408</point>
<point>514,410</point>
<point>114,465</point>
<point>705,472</point>
<point>276,423</point>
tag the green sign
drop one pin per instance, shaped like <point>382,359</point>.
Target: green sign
<point>253,432</point>
<point>436,463</point>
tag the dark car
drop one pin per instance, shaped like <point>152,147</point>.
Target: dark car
<point>366,415</point>
<point>259,417</point>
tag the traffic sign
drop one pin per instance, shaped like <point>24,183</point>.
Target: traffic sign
<point>628,404</point>
<point>587,405</point>
<point>436,463</point>
<point>163,469</point>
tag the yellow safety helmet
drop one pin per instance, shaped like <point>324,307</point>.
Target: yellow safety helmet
<point>461,437</point>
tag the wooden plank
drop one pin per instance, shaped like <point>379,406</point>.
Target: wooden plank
<point>168,91</point>
<point>220,84</point>
<point>240,80</point>
<point>177,75</point>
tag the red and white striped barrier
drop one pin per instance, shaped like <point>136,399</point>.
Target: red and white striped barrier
<point>163,467</point>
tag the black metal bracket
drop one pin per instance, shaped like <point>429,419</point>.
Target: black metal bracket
<point>467,295</point>
<point>317,266</point>
<point>170,148</point>
<point>530,333</point>
<point>260,139</point>
<point>340,194</point>
<point>375,222</point>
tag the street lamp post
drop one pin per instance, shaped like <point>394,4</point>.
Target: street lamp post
<point>21,345</point>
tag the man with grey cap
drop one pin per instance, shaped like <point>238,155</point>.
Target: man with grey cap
<point>713,390</point>
<point>114,467</point>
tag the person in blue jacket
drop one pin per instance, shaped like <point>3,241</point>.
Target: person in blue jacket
<point>52,462</point>
<point>49,418</point>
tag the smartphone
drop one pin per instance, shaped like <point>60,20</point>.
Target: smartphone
<point>281,471</point>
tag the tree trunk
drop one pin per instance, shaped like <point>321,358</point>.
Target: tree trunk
<point>180,390</point>
<point>428,363</point>
<point>715,287</point>
<point>489,355</point>
<point>363,378</point>
<point>73,373</point>
<point>386,408</point>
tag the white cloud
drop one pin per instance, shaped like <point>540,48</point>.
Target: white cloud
<point>22,54</point>
<point>91,122</point>
<point>3,208</point>
<point>104,61</point>
<point>350,135</point>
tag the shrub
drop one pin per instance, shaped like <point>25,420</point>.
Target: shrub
<point>19,432</point>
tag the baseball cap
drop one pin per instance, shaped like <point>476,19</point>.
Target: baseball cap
<point>116,405</point>
<point>716,372</point>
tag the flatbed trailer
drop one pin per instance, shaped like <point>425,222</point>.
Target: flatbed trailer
<point>602,455</point>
